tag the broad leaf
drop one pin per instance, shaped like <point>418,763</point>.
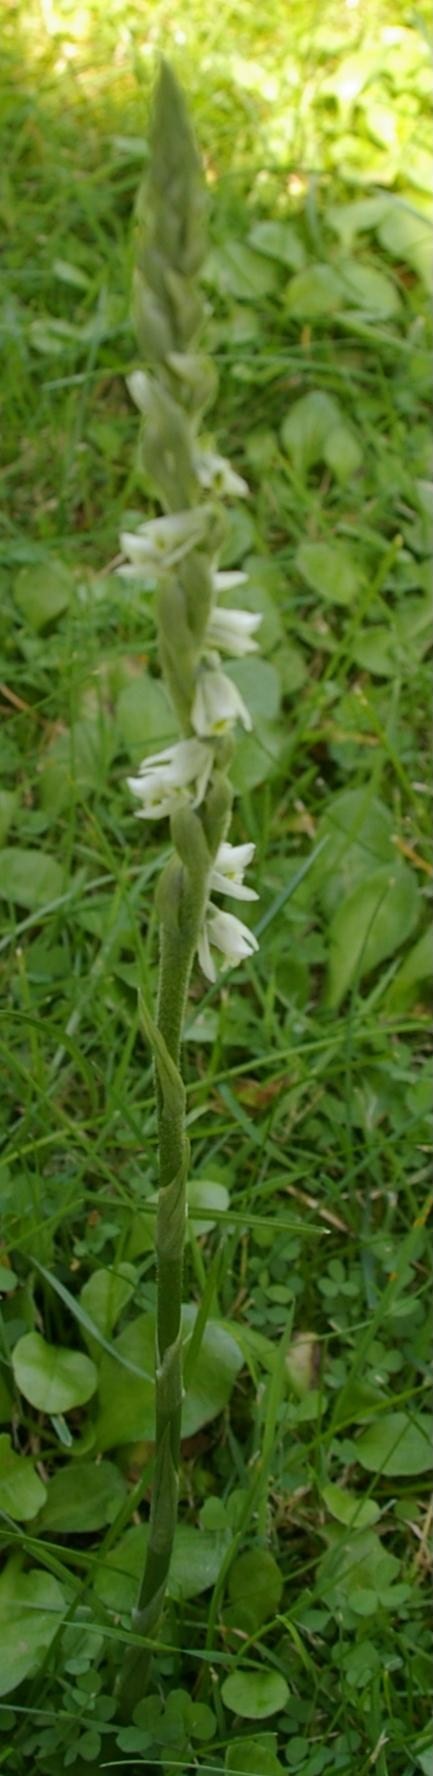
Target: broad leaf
<point>31,1607</point>
<point>351,219</point>
<point>82,1496</point>
<point>375,650</point>
<point>408,235</point>
<point>248,1757</point>
<point>359,829</point>
<point>51,1377</point>
<point>42,592</point>
<point>425,1760</point>
<point>103,1297</point>
<point>237,270</point>
<point>365,287</point>
<point>75,763</point>
<point>369,926</point>
<point>307,426</point>
<point>259,684</point>
<point>197,1558</point>
<point>144,716</point>
<point>28,878</point>
<point>396,1444</point>
<point>349,1509</point>
<point>279,240</point>
<point>315,293</point>
<point>255,1588</point>
<point>342,453</point>
<point>204,1193</point>
<point>126,1413</point>
<point>21,1491</point>
<point>417,966</point>
<point>254,1695</point>
<point>331,571</point>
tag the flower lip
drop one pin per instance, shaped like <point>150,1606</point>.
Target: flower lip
<point>226,933</point>
<point>234,630</point>
<point>163,541</point>
<point>217,704</point>
<point>228,871</point>
<point>216,475</point>
<point>179,773</point>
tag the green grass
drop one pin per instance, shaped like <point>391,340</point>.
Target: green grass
<point>308,1077</point>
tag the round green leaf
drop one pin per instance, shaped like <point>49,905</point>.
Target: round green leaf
<point>425,1760</point>
<point>143,715</point>
<point>348,220</point>
<point>42,592</point>
<point>306,428</point>
<point>330,570</point>
<point>31,1606</point>
<point>81,1497</point>
<point>259,684</point>
<point>408,235</point>
<point>8,1280</point>
<point>358,828</point>
<point>367,288</point>
<point>314,293</point>
<point>257,755</point>
<point>21,1491</point>
<point>204,1193</point>
<point>197,1558</point>
<point>127,1413</point>
<point>370,925</point>
<point>52,1378</point>
<point>417,966</point>
<point>29,878</point>
<point>255,1586</point>
<point>347,1508</point>
<point>342,452</point>
<point>103,1297</point>
<point>75,763</point>
<point>396,1444</point>
<point>255,1694</point>
<point>237,270</point>
<point>245,1756</point>
<point>281,241</point>
<point>375,650</point>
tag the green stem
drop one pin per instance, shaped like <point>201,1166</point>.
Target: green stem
<point>179,937</point>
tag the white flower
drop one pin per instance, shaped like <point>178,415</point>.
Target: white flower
<point>216,475</point>
<point>227,876</point>
<point>217,704</point>
<point>226,582</point>
<point>178,774</point>
<point>233,630</point>
<point>163,541</point>
<point>227,934</point>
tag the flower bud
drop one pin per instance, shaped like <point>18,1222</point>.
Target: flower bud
<point>303,1363</point>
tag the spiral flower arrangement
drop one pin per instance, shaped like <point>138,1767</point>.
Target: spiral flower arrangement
<point>188,782</point>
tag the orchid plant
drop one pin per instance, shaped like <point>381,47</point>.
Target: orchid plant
<point>188,782</point>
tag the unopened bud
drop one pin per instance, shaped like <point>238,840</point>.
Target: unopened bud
<point>303,1363</point>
